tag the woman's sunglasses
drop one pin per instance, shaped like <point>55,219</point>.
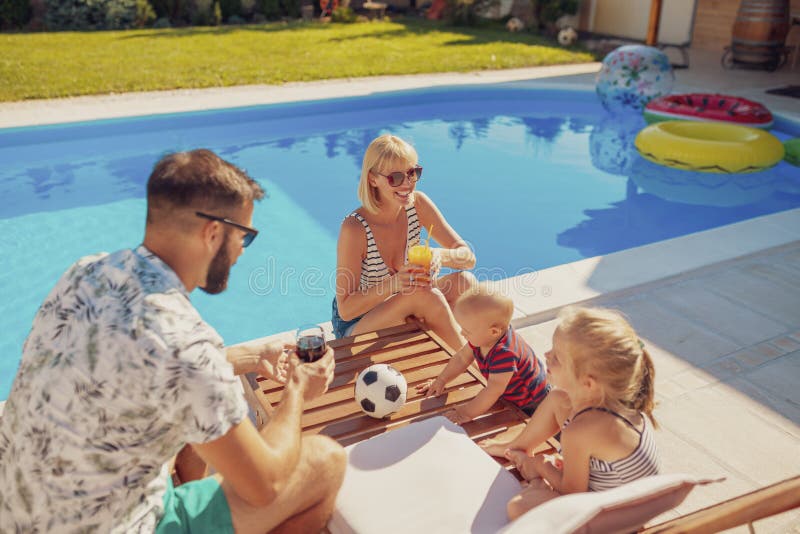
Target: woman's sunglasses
<point>249,233</point>
<point>397,178</point>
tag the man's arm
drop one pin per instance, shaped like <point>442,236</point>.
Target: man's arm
<point>267,359</point>
<point>258,465</point>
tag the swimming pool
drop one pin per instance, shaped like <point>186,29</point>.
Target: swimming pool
<point>530,177</point>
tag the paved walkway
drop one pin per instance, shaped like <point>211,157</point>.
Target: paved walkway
<point>725,340</point>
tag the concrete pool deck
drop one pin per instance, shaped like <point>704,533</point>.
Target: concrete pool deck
<point>719,310</point>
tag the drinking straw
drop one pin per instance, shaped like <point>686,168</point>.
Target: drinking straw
<point>428,241</point>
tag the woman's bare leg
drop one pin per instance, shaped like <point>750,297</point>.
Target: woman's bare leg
<point>455,284</point>
<point>429,305</point>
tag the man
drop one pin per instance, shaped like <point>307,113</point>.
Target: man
<point>119,372</point>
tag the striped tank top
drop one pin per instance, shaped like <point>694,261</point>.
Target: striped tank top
<point>373,268</point>
<point>642,462</point>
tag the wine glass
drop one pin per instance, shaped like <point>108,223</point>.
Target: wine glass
<point>310,341</point>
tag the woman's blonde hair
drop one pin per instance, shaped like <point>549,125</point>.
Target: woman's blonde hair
<point>381,152</point>
<point>607,348</point>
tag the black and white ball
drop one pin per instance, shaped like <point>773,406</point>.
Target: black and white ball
<point>567,37</point>
<point>380,390</point>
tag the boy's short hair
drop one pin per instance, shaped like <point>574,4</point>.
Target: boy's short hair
<point>490,303</point>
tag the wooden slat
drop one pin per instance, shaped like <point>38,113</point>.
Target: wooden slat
<point>747,508</point>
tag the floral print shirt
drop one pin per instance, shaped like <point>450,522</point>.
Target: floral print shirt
<point>117,374</point>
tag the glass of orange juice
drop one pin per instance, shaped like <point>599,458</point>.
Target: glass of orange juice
<point>421,255</point>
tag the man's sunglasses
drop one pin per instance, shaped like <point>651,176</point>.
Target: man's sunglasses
<point>250,233</point>
<point>397,178</point>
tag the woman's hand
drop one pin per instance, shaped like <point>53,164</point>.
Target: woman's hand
<point>409,277</point>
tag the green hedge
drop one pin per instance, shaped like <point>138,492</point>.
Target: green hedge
<point>14,13</point>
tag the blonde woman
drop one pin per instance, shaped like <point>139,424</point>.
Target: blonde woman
<point>376,287</point>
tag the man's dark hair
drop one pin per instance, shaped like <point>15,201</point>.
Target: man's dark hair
<point>199,179</point>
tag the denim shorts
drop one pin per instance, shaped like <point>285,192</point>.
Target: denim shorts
<point>341,328</point>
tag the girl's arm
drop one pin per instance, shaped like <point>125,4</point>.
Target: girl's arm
<point>455,253</point>
<point>543,424</point>
<point>576,442</point>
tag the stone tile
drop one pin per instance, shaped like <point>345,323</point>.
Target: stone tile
<point>786,344</point>
<point>755,356</point>
<point>669,389</point>
<point>545,290</point>
<point>725,368</point>
<point>540,336</point>
<point>694,379</point>
<point>674,334</point>
<point>791,258</point>
<point>774,273</point>
<point>730,427</point>
<point>776,301</point>
<point>788,221</point>
<point>775,386</point>
<point>679,455</point>
<point>667,364</point>
<point>729,319</point>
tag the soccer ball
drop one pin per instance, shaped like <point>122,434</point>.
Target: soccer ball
<point>380,390</point>
<point>567,37</point>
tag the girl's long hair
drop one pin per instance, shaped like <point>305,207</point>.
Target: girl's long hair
<point>608,349</point>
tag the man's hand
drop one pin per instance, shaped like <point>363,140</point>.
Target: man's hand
<point>314,377</point>
<point>431,388</point>
<point>273,360</point>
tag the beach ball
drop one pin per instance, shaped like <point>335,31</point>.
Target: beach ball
<point>631,76</point>
<point>380,390</point>
<point>611,143</point>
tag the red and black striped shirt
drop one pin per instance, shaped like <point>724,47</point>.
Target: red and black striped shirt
<point>512,354</point>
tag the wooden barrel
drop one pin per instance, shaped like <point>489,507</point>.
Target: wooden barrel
<point>759,32</point>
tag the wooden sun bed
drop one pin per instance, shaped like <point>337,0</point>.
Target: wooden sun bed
<point>744,509</point>
<point>416,352</point>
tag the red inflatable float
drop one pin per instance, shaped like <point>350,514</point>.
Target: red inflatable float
<point>708,107</point>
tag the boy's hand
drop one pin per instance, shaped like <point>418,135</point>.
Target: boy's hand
<point>431,388</point>
<point>457,415</point>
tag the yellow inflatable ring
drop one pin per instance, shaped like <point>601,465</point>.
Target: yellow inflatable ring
<point>709,146</point>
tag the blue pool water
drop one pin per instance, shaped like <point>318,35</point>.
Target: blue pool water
<point>531,178</point>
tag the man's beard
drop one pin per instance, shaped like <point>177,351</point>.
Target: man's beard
<point>218,271</point>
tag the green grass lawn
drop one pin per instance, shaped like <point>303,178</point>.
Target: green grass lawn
<point>48,65</point>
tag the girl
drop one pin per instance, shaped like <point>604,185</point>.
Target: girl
<point>602,404</point>
<point>376,287</point>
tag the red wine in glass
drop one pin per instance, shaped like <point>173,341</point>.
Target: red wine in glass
<point>310,343</point>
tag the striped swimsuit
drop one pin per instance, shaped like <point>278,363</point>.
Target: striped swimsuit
<point>373,266</point>
<point>642,462</point>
